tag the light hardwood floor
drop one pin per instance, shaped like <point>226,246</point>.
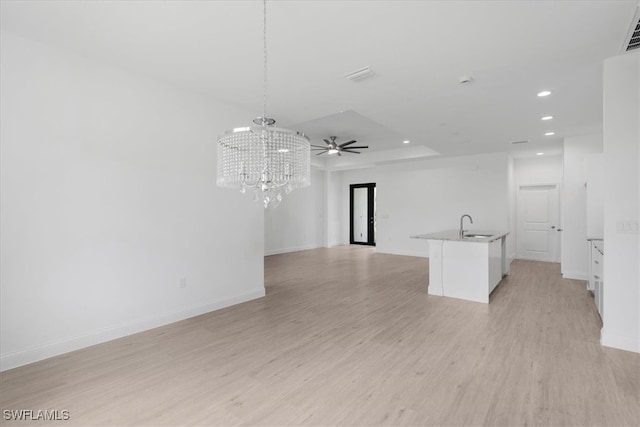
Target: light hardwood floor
<point>346,336</point>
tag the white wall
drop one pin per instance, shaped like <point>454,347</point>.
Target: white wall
<point>595,195</point>
<point>574,245</point>
<point>431,195</point>
<point>108,199</point>
<point>298,222</point>
<point>333,204</point>
<point>621,289</point>
<point>538,170</point>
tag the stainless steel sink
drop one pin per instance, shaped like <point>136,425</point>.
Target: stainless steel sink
<point>477,236</point>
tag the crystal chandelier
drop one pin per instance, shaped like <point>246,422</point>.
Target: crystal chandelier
<point>264,158</point>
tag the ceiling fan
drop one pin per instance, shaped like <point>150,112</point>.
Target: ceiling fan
<point>333,147</point>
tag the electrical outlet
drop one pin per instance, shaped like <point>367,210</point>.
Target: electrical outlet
<point>182,283</point>
<point>627,227</point>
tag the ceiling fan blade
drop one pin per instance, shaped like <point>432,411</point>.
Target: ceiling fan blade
<point>344,144</point>
<point>359,146</point>
<point>327,141</point>
<point>319,146</point>
<point>322,152</point>
<point>349,151</point>
<point>339,154</point>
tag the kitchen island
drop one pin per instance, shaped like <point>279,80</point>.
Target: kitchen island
<point>467,266</point>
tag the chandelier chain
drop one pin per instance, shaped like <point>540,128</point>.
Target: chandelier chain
<point>264,37</point>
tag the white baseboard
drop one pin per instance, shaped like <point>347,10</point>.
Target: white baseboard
<point>575,275</point>
<point>620,342</point>
<point>287,250</point>
<point>44,351</point>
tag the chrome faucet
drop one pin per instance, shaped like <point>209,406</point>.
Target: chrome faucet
<point>462,218</point>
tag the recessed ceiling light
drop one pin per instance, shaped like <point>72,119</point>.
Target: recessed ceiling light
<point>539,154</point>
<point>406,141</point>
<point>547,118</point>
<point>544,93</point>
<point>549,133</point>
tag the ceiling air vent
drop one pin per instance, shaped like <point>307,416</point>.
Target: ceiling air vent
<point>632,41</point>
<point>361,74</point>
<point>524,141</point>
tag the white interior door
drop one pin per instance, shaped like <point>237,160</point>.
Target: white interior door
<point>538,236</point>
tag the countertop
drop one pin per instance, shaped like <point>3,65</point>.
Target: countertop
<point>454,235</point>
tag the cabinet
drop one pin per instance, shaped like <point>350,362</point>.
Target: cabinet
<point>468,268</point>
<point>596,270</point>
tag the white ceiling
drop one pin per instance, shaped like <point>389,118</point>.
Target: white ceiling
<point>418,49</point>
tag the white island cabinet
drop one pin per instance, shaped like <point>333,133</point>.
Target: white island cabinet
<point>467,267</point>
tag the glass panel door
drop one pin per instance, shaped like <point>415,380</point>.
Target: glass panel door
<point>360,215</point>
<point>362,211</point>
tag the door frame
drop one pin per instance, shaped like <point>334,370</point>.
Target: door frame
<point>371,238</point>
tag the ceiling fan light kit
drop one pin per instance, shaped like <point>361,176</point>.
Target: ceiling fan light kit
<point>333,147</point>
